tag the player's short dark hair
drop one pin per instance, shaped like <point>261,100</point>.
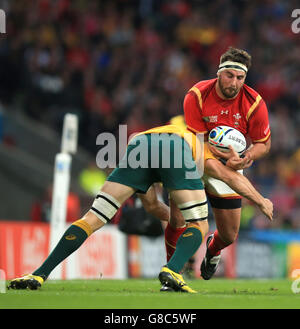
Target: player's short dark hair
<point>236,55</point>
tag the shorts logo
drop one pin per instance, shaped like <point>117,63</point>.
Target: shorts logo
<point>71,237</point>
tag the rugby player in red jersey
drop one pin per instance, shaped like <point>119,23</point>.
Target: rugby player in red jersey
<point>226,100</point>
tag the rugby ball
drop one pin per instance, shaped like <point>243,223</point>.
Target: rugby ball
<point>223,136</point>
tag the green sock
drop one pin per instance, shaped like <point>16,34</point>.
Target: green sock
<point>187,244</point>
<point>72,239</point>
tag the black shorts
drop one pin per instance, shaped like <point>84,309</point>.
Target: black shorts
<point>224,203</point>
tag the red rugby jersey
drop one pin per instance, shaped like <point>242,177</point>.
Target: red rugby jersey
<point>204,110</point>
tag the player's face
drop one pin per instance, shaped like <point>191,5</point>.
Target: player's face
<point>230,82</point>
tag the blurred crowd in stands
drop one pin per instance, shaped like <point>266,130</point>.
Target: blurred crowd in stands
<point>131,62</point>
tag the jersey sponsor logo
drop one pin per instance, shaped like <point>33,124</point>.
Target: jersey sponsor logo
<point>224,112</point>
<point>212,118</point>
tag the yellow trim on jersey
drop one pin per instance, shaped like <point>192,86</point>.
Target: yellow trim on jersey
<point>178,120</point>
<point>253,107</point>
<point>167,129</point>
<point>198,94</point>
<point>263,139</point>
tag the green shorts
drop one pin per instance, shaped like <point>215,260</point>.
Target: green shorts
<point>152,158</point>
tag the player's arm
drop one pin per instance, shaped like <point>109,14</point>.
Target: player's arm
<point>153,206</point>
<point>238,183</point>
<point>259,132</point>
<point>258,150</point>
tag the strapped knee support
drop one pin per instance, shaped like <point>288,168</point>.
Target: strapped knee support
<point>194,211</point>
<point>105,206</point>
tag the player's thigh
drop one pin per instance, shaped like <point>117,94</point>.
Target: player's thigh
<point>184,196</point>
<point>129,179</point>
<point>118,191</point>
<point>228,223</point>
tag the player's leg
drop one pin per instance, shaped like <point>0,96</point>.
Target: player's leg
<point>193,206</point>
<point>153,205</point>
<point>175,227</point>
<point>104,207</point>
<point>227,223</point>
<point>182,179</point>
<point>120,185</point>
<point>171,215</point>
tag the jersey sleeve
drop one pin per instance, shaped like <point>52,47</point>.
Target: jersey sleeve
<point>258,124</point>
<point>193,113</point>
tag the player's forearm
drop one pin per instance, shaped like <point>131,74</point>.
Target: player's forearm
<point>153,206</point>
<point>258,150</point>
<point>242,186</point>
<point>236,181</point>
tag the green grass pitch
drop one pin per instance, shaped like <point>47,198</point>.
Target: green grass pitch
<point>144,294</point>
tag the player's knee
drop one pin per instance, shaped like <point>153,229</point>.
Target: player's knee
<point>93,221</point>
<point>201,225</point>
<point>232,237</point>
<point>229,236</point>
<point>103,209</point>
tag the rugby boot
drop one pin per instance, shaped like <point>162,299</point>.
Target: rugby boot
<point>173,280</point>
<point>28,281</point>
<point>210,263</point>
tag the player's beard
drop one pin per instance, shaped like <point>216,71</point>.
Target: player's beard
<point>228,92</point>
